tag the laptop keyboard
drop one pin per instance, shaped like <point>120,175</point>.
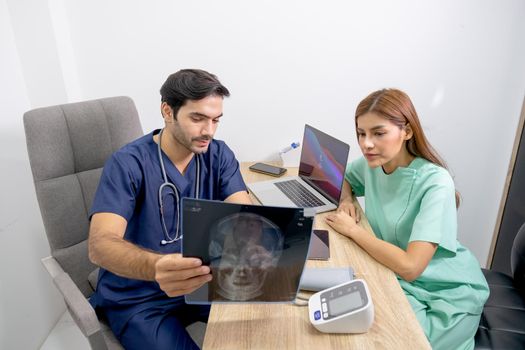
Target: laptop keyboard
<point>298,194</point>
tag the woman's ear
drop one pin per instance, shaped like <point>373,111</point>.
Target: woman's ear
<point>408,132</point>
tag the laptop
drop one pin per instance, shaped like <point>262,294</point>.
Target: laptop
<point>321,174</point>
<point>256,253</point>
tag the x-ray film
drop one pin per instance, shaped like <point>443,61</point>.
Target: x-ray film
<point>256,253</point>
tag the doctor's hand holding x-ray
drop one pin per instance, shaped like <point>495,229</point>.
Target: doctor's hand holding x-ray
<point>175,274</point>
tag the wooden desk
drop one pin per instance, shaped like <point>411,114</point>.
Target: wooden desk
<point>286,326</point>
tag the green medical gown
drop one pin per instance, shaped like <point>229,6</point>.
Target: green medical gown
<point>417,203</point>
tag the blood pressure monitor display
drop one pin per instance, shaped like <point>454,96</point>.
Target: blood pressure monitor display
<point>343,299</point>
<point>345,303</point>
<point>344,308</point>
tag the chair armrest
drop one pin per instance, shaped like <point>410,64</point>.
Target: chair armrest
<point>81,310</point>
<point>52,266</point>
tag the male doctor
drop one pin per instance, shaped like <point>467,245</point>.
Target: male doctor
<point>143,276</point>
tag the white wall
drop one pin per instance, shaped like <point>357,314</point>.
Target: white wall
<point>29,303</point>
<point>288,63</point>
<point>292,62</point>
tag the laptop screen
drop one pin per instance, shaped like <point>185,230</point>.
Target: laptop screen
<point>323,162</point>
<point>256,253</point>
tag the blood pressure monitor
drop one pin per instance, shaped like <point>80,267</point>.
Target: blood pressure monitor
<point>344,308</point>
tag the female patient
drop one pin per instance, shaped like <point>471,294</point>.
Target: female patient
<point>410,202</point>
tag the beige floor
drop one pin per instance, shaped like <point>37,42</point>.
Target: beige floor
<point>65,336</point>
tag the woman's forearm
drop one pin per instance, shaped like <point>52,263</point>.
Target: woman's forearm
<point>407,264</point>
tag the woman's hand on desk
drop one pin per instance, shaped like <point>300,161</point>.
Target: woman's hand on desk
<point>348,207</point>
<point>343,223</point>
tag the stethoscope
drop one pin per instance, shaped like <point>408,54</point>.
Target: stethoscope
<point>167,238</point>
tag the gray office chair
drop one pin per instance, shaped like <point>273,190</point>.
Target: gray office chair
<point>68,146</point>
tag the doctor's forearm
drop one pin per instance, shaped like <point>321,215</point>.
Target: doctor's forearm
<point>123,258</point>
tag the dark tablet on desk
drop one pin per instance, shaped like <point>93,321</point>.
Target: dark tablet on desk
<point>319,246</point>
<point>256,253</point>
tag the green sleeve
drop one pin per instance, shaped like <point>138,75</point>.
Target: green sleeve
<point>355,175</point>
<point>436,220</point>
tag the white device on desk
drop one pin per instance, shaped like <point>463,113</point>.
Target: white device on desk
<point>345,308</point>
<point>316,279</point>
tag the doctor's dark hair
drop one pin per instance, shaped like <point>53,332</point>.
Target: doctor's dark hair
<point>395,106</point>
<point>190,84</point>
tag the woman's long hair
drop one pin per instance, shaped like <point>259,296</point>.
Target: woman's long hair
<point>395,106</point>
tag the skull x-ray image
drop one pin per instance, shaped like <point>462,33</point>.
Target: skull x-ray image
<point>244,248</point>
<point>256,253</point>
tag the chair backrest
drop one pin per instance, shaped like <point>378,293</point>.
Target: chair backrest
<point>68,145</point>
<point>517,258</point>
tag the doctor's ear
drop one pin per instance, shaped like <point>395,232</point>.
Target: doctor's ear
<point>167,112</point>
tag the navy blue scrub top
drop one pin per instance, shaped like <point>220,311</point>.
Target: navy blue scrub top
<point>129,187</point>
